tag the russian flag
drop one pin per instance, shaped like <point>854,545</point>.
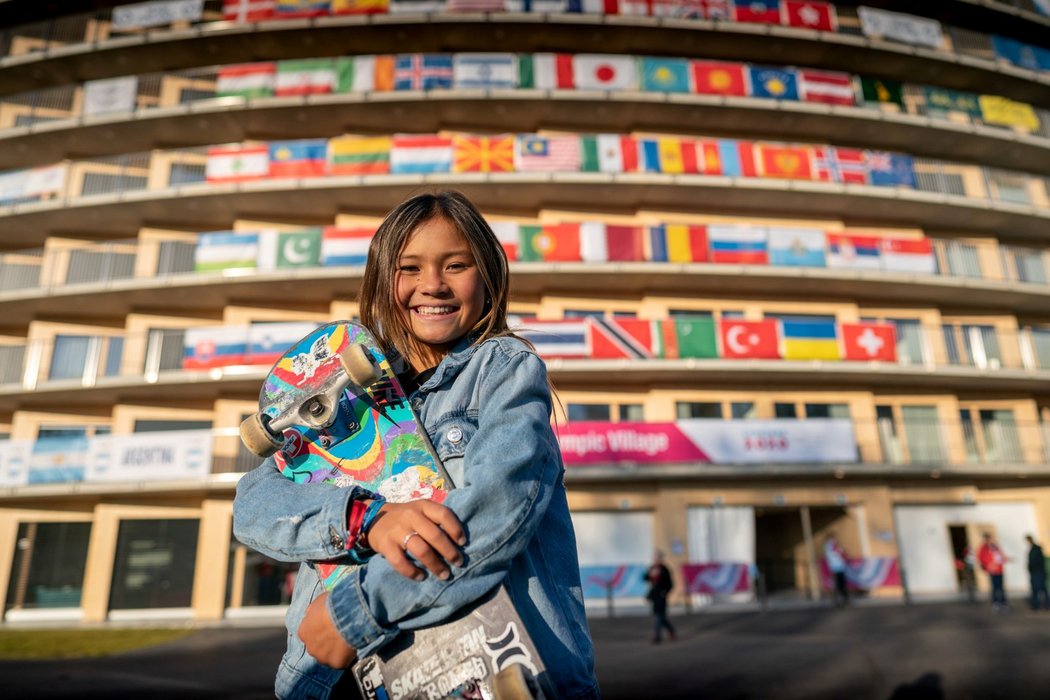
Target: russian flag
<point>345,246</point>
<point>214,346</point>
<point>738,244</point>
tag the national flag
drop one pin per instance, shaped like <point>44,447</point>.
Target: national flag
<point>592,71</point>
<point>749,339</point>
<point>828,87</point>
<point>364,74</point>
<point>310,76</point>
<point>1020,54</point>
<point>708,9</point>
<point>796,247</point>
<point>301,158</point>
<point>546,71</point>
<point>846,165</point>
<point>420,153</point>
<point>669,155</point>
<point>881,90</point>
<point>709,156</point>
<point>550,243</point>
<point>729,243</point>
<point>248,10</point>
<point>869,341</point>
<point>289,249</point>
<point>720,78</point>
<point>508,233</point>
<point>288,9</point>
<point>401,7</point>
<point>359,155</point>
<point>773,83</point>
<point>908,255</point>
<point>267,342</point>
<point>1003,111</point>
<point>485,70</point>
<point>852,252</point>
<point>547,153</point>
<point>665,74</point>
<point>236,163</point>
<point>537,6</point>
<point>944,100</point>
<point>761,11</point>
<point>809,338</point>
<point>214,346</point>
<point>609,153</point>
<point>694,337</point>
<point>736,158</point>
<point>423,71</point>
<point>890,169</point>
<point>628,338</point>
<point>483,154</point>
<point>792,162</point>
<point>345,246</point>
<point>556,339</point>
<point>820,16</point>
<point>474,6</point>
<point>246,80</point>
<point>677,243</point>
<point>360,7</point>
<point>225,250</point>
<point>601,242</point>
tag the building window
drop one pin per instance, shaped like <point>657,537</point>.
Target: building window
<point>69,357</point>
<point>632,412</point>
<point>973,345</point>
<point>909,341</point>
<point>583,313</point>
<point>827,410</point>
<point>922,430</point>
<point>161,426</point>
<point>103,183</point>
<point>48,570</point>
<point>194,94</point>
<point>1041,346</point>
<point>589,412</point>
<point>785,410</point>
<point>1002,443</point>
<point>743,410</point>
<point>959,259</point>
<point>690,409</point>
<point>175,257</point>
<point>1028,264</point>
<point>86,266</point>
<point>154,564</point>
<point>266,581</point>
<point>186,173</point>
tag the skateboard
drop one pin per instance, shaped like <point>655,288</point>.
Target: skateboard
<point>332,410</point>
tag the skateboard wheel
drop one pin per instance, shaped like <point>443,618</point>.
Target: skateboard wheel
<point>512,683</point>
<point>359,366</point>
<point>257,437</point>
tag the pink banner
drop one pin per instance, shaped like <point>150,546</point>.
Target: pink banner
<point>865,574</point>
<point>714,578</point>
<point>602,443</point>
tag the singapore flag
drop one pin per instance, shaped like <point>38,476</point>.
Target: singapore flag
<point>750,339</point>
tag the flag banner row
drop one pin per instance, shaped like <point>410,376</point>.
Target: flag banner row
<point>864,573</point>
<point>418,154</point>
<point>716,578</point>
<point>614,581</point>
<point>225,346</point>
<point>708,441</point>
<point>588,242</point>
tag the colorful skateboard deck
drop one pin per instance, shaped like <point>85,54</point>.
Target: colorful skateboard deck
<point>370,436</point>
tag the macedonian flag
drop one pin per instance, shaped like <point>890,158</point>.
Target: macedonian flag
<point>483,154</point>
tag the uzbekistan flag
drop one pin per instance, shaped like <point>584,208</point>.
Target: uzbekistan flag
<point>737,244</point>
<point>345,246</point>
<point>225,250</point>
<point>356,155</point>
<point>677,243</point>
<point>809,338</point>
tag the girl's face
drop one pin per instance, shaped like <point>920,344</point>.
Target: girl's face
<point>439,290</point>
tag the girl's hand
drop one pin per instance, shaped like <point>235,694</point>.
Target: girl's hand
<point>322,639</point>
<point>428,531</point>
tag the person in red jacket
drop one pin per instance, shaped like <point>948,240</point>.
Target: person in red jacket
<point>992,560</point>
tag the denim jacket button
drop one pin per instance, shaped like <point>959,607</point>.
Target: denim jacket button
<point>454,435</point>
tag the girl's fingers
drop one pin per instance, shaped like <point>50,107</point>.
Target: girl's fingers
<point>438,540</point>
<point>393,553</point>
<point>445,519</point>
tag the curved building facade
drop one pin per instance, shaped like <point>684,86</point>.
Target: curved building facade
<point>786,261</point>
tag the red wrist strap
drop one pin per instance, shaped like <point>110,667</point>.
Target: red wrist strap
<point>353,523</point>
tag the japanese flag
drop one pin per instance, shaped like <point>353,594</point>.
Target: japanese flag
<point>605,72</point>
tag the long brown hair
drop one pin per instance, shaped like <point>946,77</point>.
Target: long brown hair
<point>377,300</point>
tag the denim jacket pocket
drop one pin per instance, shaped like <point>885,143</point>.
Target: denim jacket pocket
<point>453,433</point>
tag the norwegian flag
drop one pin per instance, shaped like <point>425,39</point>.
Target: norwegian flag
<point>248,10</point>
<point>846,165</point>
<point>423,71</point>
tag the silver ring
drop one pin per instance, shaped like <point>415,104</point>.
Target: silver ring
<point>404,542</point>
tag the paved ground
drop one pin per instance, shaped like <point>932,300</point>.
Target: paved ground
<point>930,651</point>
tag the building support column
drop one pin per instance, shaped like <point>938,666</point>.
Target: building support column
<point>813,581</point>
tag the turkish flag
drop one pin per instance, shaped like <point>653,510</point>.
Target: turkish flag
<point>750,339</point>
<point>870,341</point>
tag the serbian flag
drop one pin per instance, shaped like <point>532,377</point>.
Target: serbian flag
<point>749,339</point>
<point>760,11</point>
<point>827,87</point>
<point>790,162</point>
<point>869,341</point>
<point>850,252</point>
<point>810,15</point>
<point>737,244</point>
<point>720,78</point>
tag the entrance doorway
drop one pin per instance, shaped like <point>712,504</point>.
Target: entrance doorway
<point>788,547</point>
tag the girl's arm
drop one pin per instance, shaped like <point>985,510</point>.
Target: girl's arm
<point>511,469</point>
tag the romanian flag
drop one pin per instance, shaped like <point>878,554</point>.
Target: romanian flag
<point>677,243</point>
<point>807,338</point>
<point>791,162</point>
<point>483,154</point>
<point>355,155</point>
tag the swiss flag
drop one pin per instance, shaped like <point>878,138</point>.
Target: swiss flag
<point>750,339</point>
<point>811,15</point>
<point>870,341</point>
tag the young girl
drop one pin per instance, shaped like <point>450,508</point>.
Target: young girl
<point>435,294</point>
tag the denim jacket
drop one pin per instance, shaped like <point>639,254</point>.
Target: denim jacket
<point>486,409</point>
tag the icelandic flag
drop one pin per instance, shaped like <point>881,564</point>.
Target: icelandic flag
<point>773,83</point>
<point>796,247</point>
<point>809,338</point>
<point>890,169</point>
<point>345,246</point>
<point>854,252</point>
<point>268,341</point>
<point>423,71</point>
<point>553,339</point>
<point>737,244</point>
<point>214,346</point>
<point>226,250</point>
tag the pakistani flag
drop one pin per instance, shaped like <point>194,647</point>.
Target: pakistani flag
<point>290,249</point>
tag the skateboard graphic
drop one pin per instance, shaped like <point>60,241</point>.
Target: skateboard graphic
<point>332,410</point>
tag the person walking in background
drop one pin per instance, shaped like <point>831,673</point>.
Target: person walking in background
<point>992,560</point>
<point>660,585</point>
<point>835,558</point>
<point>1037,575</point>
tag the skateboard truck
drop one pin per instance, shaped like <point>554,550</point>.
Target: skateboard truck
<point>264,434</point>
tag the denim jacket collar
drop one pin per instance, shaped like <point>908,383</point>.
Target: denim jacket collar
<point>452,363</point>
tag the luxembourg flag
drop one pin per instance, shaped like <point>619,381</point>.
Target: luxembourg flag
<point>556,339</point>
<point>737,244</point>
<point>415,154</point>
<point>214,346</point>
<point>345,246</point>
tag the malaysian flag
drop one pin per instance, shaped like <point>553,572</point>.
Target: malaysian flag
<point>547,153</point>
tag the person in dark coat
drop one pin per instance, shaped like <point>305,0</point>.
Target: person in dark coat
<point>660,586</point>
<point>1037,575</point>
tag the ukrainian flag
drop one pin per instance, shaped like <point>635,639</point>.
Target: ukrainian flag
<point>810,339</point>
